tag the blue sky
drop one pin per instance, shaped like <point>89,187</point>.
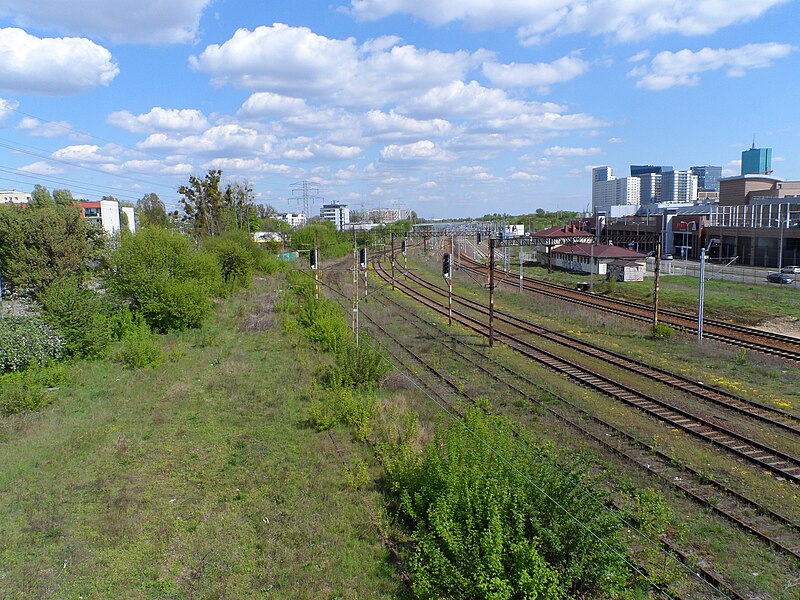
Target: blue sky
<point>451,108</point>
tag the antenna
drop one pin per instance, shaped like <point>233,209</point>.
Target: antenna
<point>305,194</point>
<point>753,147</point>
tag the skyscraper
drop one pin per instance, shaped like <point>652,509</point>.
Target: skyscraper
<point>757,160</point>
<point>637,170</point>
<point>678,186</point>
<point>708,177</point>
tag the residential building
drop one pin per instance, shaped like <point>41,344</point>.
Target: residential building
<point>707,177</point>
<point>650,188</point>
<point>295,220</point>
<point>14,197</point>
<point>615,192</point>
<point>337,213</point>
<point>387,215</point>
<point>107,213</point>
<point>757,161</point>
<point>678,186</point>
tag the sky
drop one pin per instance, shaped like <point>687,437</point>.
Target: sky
<point>450,108</point>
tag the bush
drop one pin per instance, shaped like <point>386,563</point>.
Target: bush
<point>236,254</point>
<point>27,391</point>
<point>358,366</point>
<point>159,274</point>
<point>661,331</point>
<point>78,314</point>
<point>27,341</point>
<point>140,349</point>
<point>492,518</point>
<point>323,324</point>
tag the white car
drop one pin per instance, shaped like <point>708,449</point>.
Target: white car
<point>791,269</point>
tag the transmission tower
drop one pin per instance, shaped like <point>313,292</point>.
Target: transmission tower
<point>305,194</point>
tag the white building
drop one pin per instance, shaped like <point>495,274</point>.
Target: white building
<point>650,188</point>
<point>107,214</point>
<point>678,186</point>
<point>295,220</point>
<point>615,192</point>
<point>337,213</point>
<point>14,197</point>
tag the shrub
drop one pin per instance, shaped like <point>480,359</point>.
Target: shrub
<point>27,391</point>
<point>158,274</point>
<point>492,518</point>
<point>661,331</point>
<point>140,349</point>
<point>236,254</point>
<point>27,341</point>
<point>323,324</point>
<point>78,314</point>
<point>358,366</point>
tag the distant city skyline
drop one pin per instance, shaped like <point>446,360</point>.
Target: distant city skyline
<point>449,109</point>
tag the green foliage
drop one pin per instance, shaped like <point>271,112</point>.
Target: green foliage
<point>486,527</point>
<point>139,349</point>
<point>662,331</point>
<point>78,314</point>
<point>41,245</point>
<point>359,366</point>
<point>63,197</point>
<point>151,211</point>
<point>27,391</point>
<point>159,274</point>
<point>27,341</point>
<point>343,406</point>
<point>212,211</point>
<point>236,254</point>
<point>323,324</point>
<point>331,243</point>
<point>41,197</point>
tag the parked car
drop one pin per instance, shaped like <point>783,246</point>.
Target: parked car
<point>666,256</point>
<point>791,269</point>
<point>779,278</point>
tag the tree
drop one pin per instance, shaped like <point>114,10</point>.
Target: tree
<point>202,203</point>
<point>40,246</point>
<point>152,211</point>
<point>63,197</point>
<point>40,197</point>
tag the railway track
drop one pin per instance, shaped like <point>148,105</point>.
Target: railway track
<point>649,463</point>
<point>771,527</point>
<point>762,455</point>
<point>772,344</point>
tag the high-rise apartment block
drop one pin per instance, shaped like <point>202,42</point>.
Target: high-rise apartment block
<point>650,188</point>
<point>338,213</point>
<point>678,186</point>
<point>757,161</point>
<point>608,191</point>
<point>708,177</point>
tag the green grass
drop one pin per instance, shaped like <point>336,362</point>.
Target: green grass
<point>199,477</point>
<point>745,303</point>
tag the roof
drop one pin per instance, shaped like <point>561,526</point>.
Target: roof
<point>564,231</point>
<point>600,251</point>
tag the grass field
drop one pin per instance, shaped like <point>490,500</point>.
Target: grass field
<point>199,478</point>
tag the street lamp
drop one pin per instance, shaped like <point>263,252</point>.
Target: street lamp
<point>703,250</point>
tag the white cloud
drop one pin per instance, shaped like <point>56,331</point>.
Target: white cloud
<point>615,140</point>
<point>640,56</point>
<point>381,125</point>
<point>38,128</point>
<point>248,165</point>
<point>149,21</point>
<point>525,176</point>
<point>87,153</point>
<point>160,119</point>
<point>267,104</point>
<point>423,150</point>
<point>541,75</point>
<point>42,167</point>
<point>158,166</point>
<point>471,100</point>
<point>623,20</point>
<point>683,68</point>
<point>6,108</point>
<point>296,62</point>
<point>218,139</point>
<point>54,66</point>
<point>565,151</point>
<point>306,149</point>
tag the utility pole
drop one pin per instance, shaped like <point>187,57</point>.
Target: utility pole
<point>591,266</point>
<point>491,292</point>
<point>392,256</point>
<point>701,295</point>
<point>657,272</point>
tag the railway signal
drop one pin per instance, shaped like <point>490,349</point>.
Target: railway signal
<point>447,267</point>
<point>403,247</point>
<point>447,273</point>
<point>479,237</point>
<point>362,257</point>
<point>312,258</point>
